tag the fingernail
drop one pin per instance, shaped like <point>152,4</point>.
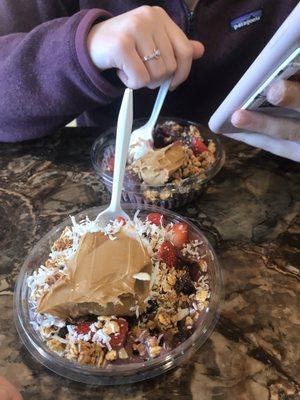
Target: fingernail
<point>275,93</point>
<point>242,119</point>
<point>235,119</point>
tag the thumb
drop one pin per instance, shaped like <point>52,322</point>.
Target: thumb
<point>7,391</point>
<point>4,394</point>
<point>198,49</point>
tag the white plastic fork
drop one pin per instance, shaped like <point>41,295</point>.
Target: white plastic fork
<point>142,138</point>
<point>124,128</point>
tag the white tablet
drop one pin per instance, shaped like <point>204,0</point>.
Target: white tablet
<point>280,59</point>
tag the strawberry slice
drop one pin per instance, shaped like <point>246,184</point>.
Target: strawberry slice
<point>83,328</point>
<point>155,218</point>
<point>118,339</point>
<point>111,163</point>
<point>198,146</point>
<point>168,254</point>
<point>180,234</point>
<point>121,219</point>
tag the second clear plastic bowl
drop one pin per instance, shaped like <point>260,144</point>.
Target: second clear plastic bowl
<point>169,196</point>
<point>113,374</point>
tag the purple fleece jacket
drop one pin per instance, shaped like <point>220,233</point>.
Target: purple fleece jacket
<point>47,78</point>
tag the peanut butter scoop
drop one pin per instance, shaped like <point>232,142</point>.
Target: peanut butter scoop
<point>157,166</point>
<point>100,277</point>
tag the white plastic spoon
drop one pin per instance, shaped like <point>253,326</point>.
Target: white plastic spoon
<point>142,138</point>
<point>124,128</point>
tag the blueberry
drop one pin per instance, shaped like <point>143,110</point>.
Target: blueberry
<point>164,135</point>
<point>159,138</point>
<point>185,285</point>
<point>194,271</point>
<point>155,332</point>
<point>180,337</point>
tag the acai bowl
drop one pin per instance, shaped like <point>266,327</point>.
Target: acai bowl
<point>198,156</point>
<point>179,312</point>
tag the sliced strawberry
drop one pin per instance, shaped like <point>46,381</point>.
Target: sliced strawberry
<point>111,163</point>
<point>198,146</point>
<point>118,339</point>
<point>121,219</point>
<point>168,254</point>
<point>83,328</point>
<point>155,218</point>
<point>180,234</point>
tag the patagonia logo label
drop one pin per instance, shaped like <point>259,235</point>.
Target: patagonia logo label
<point>245,20</point>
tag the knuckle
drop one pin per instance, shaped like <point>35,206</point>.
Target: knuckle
<point>122,45</point>
<point>139,82</point>
<point>262,124</point>
<point>135,23</point>
<point>172,67</point>
<point>159,10</point>
<point>146,10</point>
<point>158,73</point>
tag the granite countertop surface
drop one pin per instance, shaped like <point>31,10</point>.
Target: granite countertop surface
<point>250,213</point>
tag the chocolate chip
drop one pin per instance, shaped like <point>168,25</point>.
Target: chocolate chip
<point>152,306</point>
<point>62,332</point>
<point>154,332</point>
<point>92,318</point>
<point>132,322</point>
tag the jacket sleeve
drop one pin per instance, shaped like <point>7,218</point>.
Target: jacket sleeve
<point>47,78</point>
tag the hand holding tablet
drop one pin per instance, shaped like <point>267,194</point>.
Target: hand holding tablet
<point>285,94</point>
<point>263,109</point>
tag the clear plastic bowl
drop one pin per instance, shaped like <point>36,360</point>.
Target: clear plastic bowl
<point>112,374</point>
<point>169,196</point>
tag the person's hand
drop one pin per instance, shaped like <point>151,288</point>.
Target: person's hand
<point>280,136</point>
<point>7,391</point>
<point>122,42</point>
<point>284,94</point>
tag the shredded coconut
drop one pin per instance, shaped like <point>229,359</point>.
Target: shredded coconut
<point>142,276</point>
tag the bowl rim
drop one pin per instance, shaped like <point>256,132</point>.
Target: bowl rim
<point>72,370</point>
<point>202,177</point>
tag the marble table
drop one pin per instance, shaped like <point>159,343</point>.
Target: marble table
<point>251,215</point>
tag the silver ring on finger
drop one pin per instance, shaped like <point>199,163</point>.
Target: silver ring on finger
<point>153,56</point>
